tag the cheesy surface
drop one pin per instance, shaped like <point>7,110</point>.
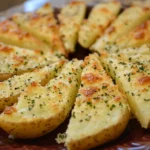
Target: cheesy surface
<point>99,106</point>
<point>14,60</point>
<point>42,25</point>
<point>98,20</point>
<point>126,22</point>
<point>71,17</point>
<point>19,37</point>
<point>132,74</point>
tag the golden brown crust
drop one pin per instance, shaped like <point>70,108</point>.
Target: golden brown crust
<point>5,76</point>
<point>90,78</point>
<point>9,110</point>
<point>145,80</point>
<point>6,49</point>
<point>19,37</point>
<point>106,135</point>
<point>43,25</point>
<point>89,91</point>
<point>97,104</point>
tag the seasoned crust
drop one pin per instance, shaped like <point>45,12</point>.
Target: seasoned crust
<point>101,111</point>
<point>19,37</point>
<point>43,25</point>
<point>131,73</point>
<point>16,60</point>
<point>14,86</point>
<point>41,109</point>
<point>99,19</point>
<point>126,22</point>
<point>139,36</point>
<point>74,11</point>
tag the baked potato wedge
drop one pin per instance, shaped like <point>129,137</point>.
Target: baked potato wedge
<point>143,49</point>
<point>135,38</point>
<point>10,89</point>
<point>126,22</point>
<point>101,111</point>
<point>132,74</point>
<point>41,109</point>
<point>100,17</point>
<point>19,37</point>
<point>15,60</point>
<point>42,25</point>
<point>71,17</point>
<point>145,3</point>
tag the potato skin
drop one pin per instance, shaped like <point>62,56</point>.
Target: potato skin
<point>138,81</point>
<point>98,20</point>
<point>31,129</point>
<point>74,11</point>
<point>102,137</point>
<point>19,38</point>
<point>95,98</point>
<point>42,24</point>
<point>5,76</point>
<point>126,22</point>
<point>40,109</point>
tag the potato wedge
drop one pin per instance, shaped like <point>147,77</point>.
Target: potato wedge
<point>143,49</point>
<point>145,3</point>
<point>11,88</point>
<point>126,22</point>
<point>42,25</point>
<point>70,18</point>
<point>14,60</point>
<point>101,112</point>
<point>132,74</point>
<point>41,109</point>
<point>19,37</point>
<point>99,19</point>
<point>137,37</point>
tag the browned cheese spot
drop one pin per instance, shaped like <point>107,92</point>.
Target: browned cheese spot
<point>5,49</point>
<point>76,3</point>
<point>91,78</point>
<point>19,59</point>
<point>139,34</point>
<point>9,110</point>
<point>117,98</point>
<point>89,91</point>
<point>4,29</point>
<point>47,5</point>
<point>105,10</point>
<point>144,80</point>
<point>143,25</point>
<point>34,84</point>
<point>111,30</point>
<point>146,8</point>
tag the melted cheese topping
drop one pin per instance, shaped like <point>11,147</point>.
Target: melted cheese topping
<point>99,19</point>
<point>126,22</point>
<point>99,105</point>
<point>15,85</point>
<point>143,49</point>
<point>137,37</point>
<point>16,60</point>
<point>19,37</point>
<point>42,25</point>
<point>132,73</point>
<point>70,18</point>
<point>45,107</point>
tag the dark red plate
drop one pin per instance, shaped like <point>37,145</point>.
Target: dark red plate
<point>133,138</point>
